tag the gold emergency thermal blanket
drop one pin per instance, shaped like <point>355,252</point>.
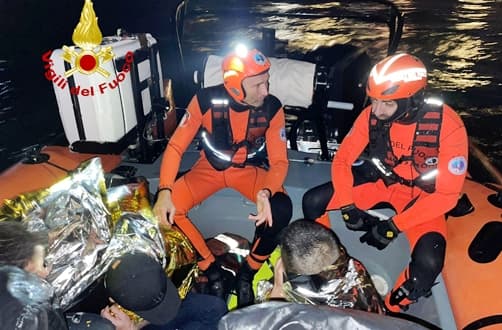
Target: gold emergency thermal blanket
<point>89,226</point>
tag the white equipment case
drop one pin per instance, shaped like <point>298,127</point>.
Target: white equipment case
<point>106,114</point>
<point>291,81</point>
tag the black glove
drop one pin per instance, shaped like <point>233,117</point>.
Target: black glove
<point>381,234</point>
<point>357,219</point>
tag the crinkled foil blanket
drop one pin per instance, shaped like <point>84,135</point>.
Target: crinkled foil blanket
<point>345,284</point>
<point>89,226</point>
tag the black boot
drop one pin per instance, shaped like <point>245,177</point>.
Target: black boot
<point>215,281</point>
<point>244,285</point>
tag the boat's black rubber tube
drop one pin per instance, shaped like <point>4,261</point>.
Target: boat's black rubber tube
<point>484,322</point>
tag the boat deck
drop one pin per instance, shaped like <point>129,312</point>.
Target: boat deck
<point>306,172</point>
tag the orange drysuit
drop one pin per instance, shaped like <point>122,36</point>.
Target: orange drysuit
<point>417,212</point>
<point>204,180</point>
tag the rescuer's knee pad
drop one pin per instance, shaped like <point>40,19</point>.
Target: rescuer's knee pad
<point>315,200</point>
<point>427,260</point>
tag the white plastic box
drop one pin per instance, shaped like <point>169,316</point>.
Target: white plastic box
<point>103,109</point>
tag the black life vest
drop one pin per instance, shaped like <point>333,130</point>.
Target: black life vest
<point>219,147</point>
<point>425,148</point>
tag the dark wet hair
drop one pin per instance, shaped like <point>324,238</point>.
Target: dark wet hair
<point>17,244</point>
<point>308,248</point>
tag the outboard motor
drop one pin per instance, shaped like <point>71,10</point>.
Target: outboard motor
<point>339,94</point>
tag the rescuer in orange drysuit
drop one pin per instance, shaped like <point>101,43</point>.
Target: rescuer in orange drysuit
<point>417,150</point>
<point>244,147</point>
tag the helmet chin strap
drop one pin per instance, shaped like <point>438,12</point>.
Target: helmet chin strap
<point>247,105</point>
<point>415,103</point>
<point>403,108</point>
<point>401,112</point>
<point>407,109</point>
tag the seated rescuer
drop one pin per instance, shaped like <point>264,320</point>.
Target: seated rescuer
<point>314,268</point>
<point>419,149</point>
<point>138,282</point>
<point>244,148</point>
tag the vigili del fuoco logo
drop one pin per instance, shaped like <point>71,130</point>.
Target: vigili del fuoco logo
<point>86,58</point>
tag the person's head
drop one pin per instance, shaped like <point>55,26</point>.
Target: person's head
<point>245,76</point>
<point>21,248</point>
<point>138,283</point>
<point>396,87</point>
<point>308,248</point>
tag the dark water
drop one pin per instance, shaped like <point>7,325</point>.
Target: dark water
<point>459,41</point>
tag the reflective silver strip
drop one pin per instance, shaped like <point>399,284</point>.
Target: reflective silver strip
<point>429,176</point>
<point>215,151</point>
<point>380,167</point>
<point>219,101</point>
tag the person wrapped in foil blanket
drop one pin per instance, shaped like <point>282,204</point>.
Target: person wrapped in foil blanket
<point>314,268</point>
<point>89,226</point>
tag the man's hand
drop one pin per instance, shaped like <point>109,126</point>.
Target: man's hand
<point>381,234</point>
<point>357,219</point>
<point>264,211</point>
<point>277,291</point>
<point>119,319</point>
<point>163,206</point>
